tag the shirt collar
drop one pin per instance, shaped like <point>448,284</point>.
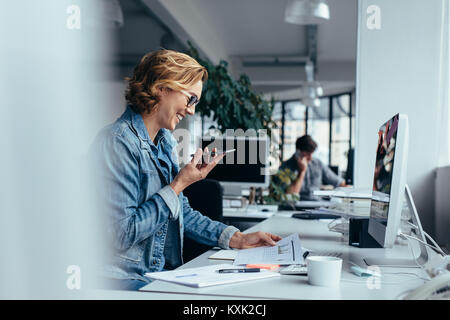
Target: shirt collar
<point>164,135</point>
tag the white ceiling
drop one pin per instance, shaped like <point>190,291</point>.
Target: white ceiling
<point>257,27</point>
<point>235,29</point>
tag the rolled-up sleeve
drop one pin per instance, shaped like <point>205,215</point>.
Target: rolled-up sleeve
<point>204,230</point>
<point>225,237</point>
<point>171,199</point>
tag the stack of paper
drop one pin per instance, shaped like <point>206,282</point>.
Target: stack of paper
<point>224,255</point>
<point>208,276</point>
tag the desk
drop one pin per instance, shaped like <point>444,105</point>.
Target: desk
<point>314,234</point>
<point>243,219</point>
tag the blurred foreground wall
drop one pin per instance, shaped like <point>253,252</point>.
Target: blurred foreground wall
<point>53,60</point>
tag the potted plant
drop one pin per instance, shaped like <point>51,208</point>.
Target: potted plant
<point>279,183</point>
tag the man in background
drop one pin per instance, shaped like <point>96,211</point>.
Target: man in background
<point>311,172</point>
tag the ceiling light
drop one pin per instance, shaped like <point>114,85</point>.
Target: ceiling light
<point>310,93</point>
<point>307,11</point>
<point>311,90</point>
<point>311,102</point>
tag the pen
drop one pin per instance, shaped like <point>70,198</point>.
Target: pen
<point>239,270</point>
<point>213,154</point>
<point>186,275</point>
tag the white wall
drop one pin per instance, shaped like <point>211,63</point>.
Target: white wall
<point>399,70</point>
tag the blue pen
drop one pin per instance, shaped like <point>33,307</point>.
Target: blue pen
<point>186,275</point>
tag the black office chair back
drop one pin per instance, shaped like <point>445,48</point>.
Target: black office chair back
<point>205,196</point>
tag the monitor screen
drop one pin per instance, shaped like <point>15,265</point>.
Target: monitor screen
<point>248,164</point>
<point>382,179</point>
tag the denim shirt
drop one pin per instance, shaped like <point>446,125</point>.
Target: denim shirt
<point>134,175</point>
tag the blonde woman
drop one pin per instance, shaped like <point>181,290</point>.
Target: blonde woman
<point>141,182</point>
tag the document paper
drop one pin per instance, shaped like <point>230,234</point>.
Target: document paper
<point>208,276</point>
<point>287,251</point>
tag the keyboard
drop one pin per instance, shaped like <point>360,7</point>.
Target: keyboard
<point>302,269</point>
<point>325,253</point>
<point>314,216</point>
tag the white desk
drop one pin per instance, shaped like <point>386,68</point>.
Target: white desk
<point>246,213</point>
<point>265,211</point>
<point>314,235</point>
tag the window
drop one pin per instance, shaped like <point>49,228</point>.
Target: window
<point>319,129</point>
<point>342,125</point>
<point>331,125</point>
<point>294,126</point>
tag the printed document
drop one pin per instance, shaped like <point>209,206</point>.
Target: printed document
<point>287,251</point>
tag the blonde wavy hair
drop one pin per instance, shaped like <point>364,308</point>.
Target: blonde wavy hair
<point>162,69</point>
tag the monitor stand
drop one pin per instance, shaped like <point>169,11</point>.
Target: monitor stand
<point>402,263</point>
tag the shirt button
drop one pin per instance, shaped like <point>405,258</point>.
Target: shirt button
<point>159,233</point>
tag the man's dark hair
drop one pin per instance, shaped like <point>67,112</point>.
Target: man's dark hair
<point>306,143</point>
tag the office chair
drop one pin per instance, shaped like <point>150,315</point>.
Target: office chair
<point>205,196</point>
<point>335,169</point>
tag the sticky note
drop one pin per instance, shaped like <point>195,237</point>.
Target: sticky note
<point>264,266</point>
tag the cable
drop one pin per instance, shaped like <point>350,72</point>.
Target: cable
<point>332,228</point>
<point>381,282</point>
<point>429,237</point>
<point>394,273</point>
<point>423,242</point>
<point>412,252</point>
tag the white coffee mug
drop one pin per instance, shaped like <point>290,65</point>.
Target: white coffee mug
<point>324,271</point>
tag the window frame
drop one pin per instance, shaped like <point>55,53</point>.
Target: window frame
<point>332,101</point>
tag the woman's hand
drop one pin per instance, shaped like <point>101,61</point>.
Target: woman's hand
<point>241,240</point>
<point>195,170</point>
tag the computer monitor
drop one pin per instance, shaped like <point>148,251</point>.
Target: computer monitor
<point>246,167</point>
<point>389,191</point>
<point>389,180</point>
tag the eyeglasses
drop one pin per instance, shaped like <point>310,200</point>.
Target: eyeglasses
<point>193,100</point>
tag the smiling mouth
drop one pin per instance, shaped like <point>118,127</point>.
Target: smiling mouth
<point>179,117</point>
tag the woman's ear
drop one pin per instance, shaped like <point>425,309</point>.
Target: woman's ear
<point>164,91</point>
